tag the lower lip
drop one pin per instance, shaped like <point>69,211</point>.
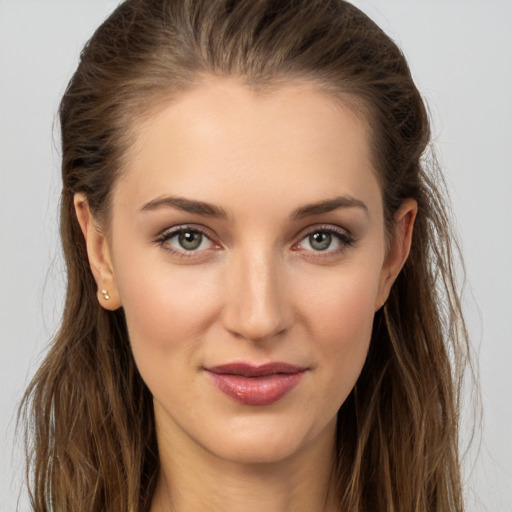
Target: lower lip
<point>262,390</point>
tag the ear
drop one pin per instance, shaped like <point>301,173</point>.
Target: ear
<point>399,247</point>
<point>99,255</point>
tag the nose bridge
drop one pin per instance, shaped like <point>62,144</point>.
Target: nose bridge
<point>256,306</point>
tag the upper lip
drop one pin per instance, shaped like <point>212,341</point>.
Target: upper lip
<point>251,370</point>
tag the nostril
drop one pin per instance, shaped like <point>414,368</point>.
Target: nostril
<point>256,307</point>
<point>256,322</point>
<point>257,330</point>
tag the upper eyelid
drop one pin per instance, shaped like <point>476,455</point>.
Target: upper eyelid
<point>308,230</point>
<point>183,227</point>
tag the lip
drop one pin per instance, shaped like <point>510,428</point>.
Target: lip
<point>256,384</point>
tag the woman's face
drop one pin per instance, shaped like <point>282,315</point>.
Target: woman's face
<point>248,251</point>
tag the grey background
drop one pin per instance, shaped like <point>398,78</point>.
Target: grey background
<point>460,52</point>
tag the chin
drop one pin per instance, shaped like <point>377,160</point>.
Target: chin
<point>266,442</point>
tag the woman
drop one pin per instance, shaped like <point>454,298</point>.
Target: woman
<point>260,306</point>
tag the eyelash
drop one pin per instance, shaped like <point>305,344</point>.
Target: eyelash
<point>343,237</point>
<point>345,240</point>
<point>166,236</point>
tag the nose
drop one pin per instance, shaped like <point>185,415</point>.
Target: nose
<point>256,303</point>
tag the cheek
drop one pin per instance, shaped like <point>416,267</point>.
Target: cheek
<point>166,306</point>
<point>167,312</point>
<point>353,314</point>
<point>340,321</point>
<point>342,305</point>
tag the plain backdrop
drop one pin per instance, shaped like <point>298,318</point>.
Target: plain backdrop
<point>460,52</point>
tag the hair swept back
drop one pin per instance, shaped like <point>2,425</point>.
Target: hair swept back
<point>91,437</point>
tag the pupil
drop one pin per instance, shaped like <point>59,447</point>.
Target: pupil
<point>190,240</point>
<point>320,241</point>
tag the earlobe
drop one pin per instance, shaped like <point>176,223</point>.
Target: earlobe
<point>399,248</point>
<point>98,253</point>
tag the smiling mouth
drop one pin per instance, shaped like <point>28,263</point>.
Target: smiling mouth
<point>256,385</point>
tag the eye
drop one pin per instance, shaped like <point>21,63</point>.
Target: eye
<point>186,241</point>
<point>326,240</point>
<point>189,240</point>
<point>320,241</point>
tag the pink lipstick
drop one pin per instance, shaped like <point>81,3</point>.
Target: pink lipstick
<point>256,385</point>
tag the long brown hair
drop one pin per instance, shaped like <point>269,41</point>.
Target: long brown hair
<point>91,436</point>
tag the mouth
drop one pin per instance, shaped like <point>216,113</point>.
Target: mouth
<point>256,384</point>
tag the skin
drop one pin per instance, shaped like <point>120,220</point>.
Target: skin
<point>256,290</point>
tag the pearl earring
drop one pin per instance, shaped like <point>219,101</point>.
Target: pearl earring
<point>105,294</point>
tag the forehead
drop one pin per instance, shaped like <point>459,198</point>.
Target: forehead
<point>223,140</point>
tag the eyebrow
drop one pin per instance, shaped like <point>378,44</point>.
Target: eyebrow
<point>328,206</point>
<point>187,205</point>
<point>210,210</point>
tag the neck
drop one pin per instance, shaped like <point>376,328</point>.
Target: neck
<point>192,480</point>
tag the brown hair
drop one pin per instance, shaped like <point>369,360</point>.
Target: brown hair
<point>91,435</point>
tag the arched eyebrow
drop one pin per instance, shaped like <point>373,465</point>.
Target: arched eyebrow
<point>211,210</point>
<point>187,205</point>
<point>327,206</point>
